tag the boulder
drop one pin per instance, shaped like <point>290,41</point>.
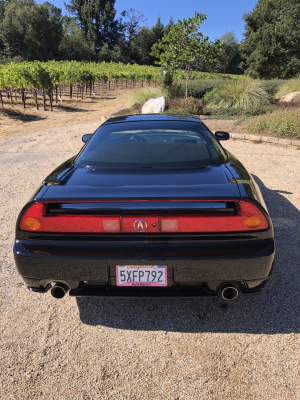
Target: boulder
<point>154,106</point>
<point>290,97</point>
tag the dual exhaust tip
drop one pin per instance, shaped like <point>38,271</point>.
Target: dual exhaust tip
<point>59,290</point>
<point>229,293</point>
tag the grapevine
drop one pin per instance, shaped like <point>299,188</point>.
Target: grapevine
<point>51,78</point>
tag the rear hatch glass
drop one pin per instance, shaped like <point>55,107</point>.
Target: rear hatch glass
<point>151,145</point>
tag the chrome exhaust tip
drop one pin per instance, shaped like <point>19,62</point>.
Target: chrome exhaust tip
<point>59,290</point>
<point>229,293</point>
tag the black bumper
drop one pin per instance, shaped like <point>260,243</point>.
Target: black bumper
<point>197,268</point>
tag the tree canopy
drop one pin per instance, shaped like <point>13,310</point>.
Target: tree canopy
<point>231,59</point>
<point>31,31</point>
<point>97,20</point>
<point>186,48</point>
<point>272,39</point>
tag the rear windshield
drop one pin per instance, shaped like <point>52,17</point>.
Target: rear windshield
<point>151,145</point>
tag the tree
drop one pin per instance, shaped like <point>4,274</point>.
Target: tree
<point>97,20</point>
<point>131,27</point>
<point>231,57</point>
<point>271,46</point>
<point>185,48</point>
<point>32,31</point>
<point>74,45</point>
<point>144,41</point>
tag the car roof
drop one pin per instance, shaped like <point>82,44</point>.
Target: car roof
<point>152,117</point>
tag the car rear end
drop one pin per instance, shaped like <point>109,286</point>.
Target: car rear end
<point>200,246</point>
<point>149,219</point>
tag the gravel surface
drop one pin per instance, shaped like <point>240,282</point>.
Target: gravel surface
<point>149,349</point>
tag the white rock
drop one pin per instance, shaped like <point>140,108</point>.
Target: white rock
<point>154,106</point>
<point>294,96</point>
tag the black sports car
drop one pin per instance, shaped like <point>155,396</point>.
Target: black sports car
<point>152,206</point>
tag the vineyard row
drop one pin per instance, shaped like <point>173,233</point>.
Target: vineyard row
<point>92,89</point>
<point>45,78</point>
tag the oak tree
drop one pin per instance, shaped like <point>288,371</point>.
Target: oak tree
<point>272,39</point>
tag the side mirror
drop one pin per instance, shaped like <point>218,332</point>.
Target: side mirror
<point>86,137</point>
<point>222,135</point>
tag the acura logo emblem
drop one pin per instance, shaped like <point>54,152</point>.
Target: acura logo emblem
<point>140,226</point>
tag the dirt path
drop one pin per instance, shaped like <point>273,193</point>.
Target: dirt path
<point>148,349</point>
<point>70,112</point>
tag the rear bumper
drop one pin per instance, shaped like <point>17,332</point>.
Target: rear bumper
<point>195,268</point>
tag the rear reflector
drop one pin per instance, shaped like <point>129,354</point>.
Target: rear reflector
<point>169,225</point>
<point>111,225</point>
<point>253,222</point>
<point>247,218</point>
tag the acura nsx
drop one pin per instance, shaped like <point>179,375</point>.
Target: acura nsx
<point>152,206</point>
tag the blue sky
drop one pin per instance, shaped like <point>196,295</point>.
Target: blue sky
<point>222,15</point>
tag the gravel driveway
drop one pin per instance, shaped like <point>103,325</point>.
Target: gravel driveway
<point>150,349</point>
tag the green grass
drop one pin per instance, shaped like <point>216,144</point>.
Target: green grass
<point>145,94</point>
<point>283,123</point>
<point>292,85</point>
<point>238,94</point>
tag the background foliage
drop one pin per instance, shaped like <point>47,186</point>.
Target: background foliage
<point>271,46</point>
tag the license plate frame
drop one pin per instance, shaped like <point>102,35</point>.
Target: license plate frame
<point>131,275</point>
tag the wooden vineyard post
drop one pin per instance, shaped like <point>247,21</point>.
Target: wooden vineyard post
<point>56,94</point>
<point>50,94</point>
<point>71,91</point>
<point>1,99</point>
<point>44,101</point>
<point>23,97</point>
<point>35,98</point>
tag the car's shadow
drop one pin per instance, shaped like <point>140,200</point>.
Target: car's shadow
<point>275,310</point>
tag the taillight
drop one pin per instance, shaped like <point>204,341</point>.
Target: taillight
<point>248,217</point>
<point>35,219</point>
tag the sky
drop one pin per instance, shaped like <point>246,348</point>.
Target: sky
<point>222,15</point>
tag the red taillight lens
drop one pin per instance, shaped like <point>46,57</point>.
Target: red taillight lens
<point>247,218</point>
<point>36,220</point>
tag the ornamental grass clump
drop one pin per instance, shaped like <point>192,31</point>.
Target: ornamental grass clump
<point>238,94</point>
<point>290,86</point>
<point>145,94</point>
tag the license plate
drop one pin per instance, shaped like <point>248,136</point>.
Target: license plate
<point>141,275</point>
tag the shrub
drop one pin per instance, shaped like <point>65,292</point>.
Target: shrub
<point>178,106</point>
<point>283,122</point>
<point>166,77</point>
<point>272,87</point>
<point>145,94</point>
<point>292,85</point>
<point>236,113</point>
<point>196,88</point>
<point>194,106</point>
<point>239,94</point>
<point>210,95</point>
